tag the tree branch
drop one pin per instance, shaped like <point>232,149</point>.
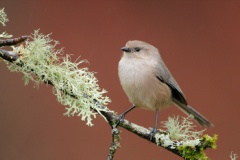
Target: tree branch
<point>115,143</point>
<point>12,41</point>
<point>9,56</point>
<point>159,139</point>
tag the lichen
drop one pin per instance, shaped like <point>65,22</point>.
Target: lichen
<point>181,129</point>
<point>3,20</point>
<point>208,141</point>
<point>5,35</point>
<point>191,153</point>
<point>196,152</point>
<point>3,17</point>
<point>233,156</point>
<point>74,87</point>
<point>181,136</point>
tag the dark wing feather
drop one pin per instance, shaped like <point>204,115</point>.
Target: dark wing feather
<point>177,94</point>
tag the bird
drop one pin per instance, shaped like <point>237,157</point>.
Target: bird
<point>149,84</point>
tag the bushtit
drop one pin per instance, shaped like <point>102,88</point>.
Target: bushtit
<point>148,83</point>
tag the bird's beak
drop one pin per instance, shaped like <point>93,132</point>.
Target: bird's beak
<point>125,49</point>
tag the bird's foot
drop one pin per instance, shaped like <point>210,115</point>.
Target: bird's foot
<point>152,133</point>
<point>120,119</point>
<point>122,116</point>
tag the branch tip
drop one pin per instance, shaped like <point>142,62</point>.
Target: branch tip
<point>13,41</point>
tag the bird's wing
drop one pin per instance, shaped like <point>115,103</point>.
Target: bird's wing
<point>177,94</point>
<point>164,75</point>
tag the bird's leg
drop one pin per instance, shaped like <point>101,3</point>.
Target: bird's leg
<point>122,116</point>
<point>155,129</point>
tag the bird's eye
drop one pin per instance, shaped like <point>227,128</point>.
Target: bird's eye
<point>137,49</point>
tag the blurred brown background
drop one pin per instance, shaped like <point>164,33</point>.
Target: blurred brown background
<point>198,40</point>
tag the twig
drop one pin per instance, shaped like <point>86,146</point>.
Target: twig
<point>111,118</point>
<point>115,143</point>
<point>12,41</point>
<point>9,56</point>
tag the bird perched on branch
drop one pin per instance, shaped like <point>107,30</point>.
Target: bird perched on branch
<point>148,83</point>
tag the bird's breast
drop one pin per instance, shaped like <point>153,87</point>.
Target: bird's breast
<point>142,86</point>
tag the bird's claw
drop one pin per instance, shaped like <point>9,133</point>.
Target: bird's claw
<point>152,133</point>
<point>120,119</point>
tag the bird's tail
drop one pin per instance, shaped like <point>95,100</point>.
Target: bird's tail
<point>197,116</point>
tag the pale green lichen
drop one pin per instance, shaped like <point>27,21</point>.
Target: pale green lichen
<point>180,135</point>
<point>74,87</point>
<point>5,35</point>
<point>183,129</point>
<point>179,132</point>
<point>3,20</point>
<point>233,156</point>
<point>3,17</point>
